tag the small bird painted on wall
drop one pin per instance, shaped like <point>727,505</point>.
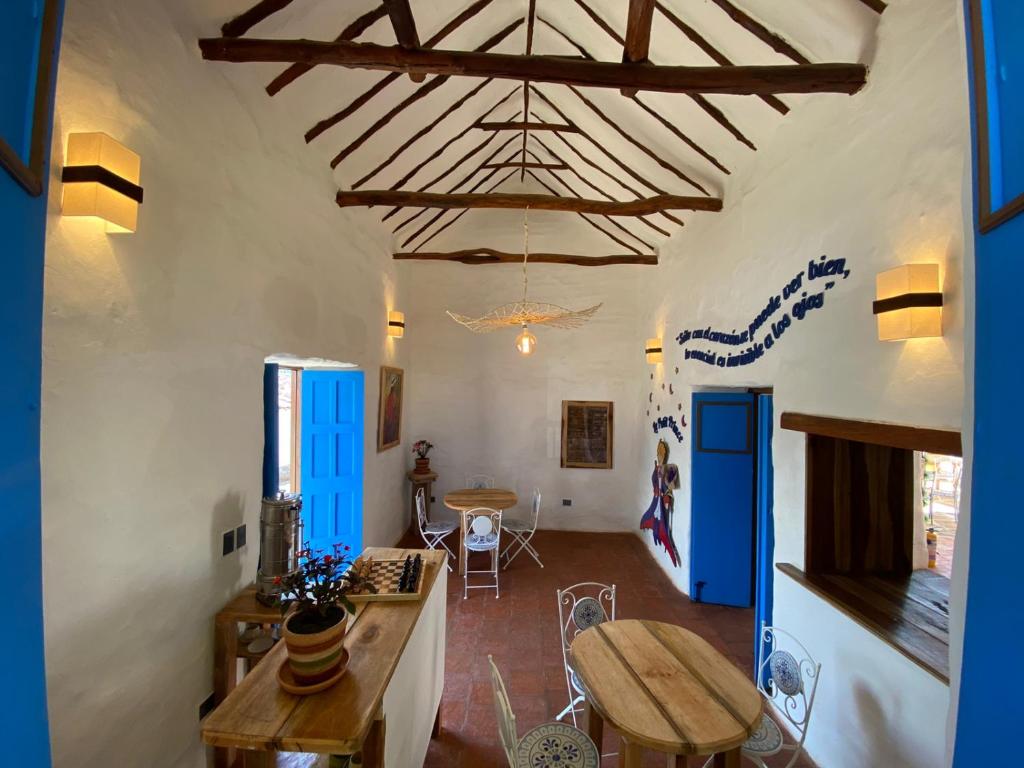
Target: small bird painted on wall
<point>658,517</point>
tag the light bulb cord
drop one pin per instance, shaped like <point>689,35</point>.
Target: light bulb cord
<point>526,247</point>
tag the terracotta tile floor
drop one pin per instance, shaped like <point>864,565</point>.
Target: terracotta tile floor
<point>521,631</point>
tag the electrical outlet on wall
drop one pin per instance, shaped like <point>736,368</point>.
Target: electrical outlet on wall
<point>566,502</point>
<point>229,542</point>
<point>240,536</point>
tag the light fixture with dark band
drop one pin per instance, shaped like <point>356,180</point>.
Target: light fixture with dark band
<point>101,180</point>
<point>396,324</point>
<point>908,302</point>
<point>654,351</point>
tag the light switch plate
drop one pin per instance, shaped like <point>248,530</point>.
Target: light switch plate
<point>229,542</point>
<point>240,536</point>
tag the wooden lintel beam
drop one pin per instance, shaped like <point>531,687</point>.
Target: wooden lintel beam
<point>741,80</point>
<point>242,23</point>
<point>525,126</point>
<point>476,256</point>
<point>638,35</point>
<point>526,164</point>
<point>405,29</point>
<point>640,207</point>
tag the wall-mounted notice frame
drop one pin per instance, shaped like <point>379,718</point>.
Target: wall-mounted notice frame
<point>998,72</point>
<point>28,44</point>
<point>587,428</point>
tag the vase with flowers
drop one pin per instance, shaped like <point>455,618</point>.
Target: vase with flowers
<point>422,448</point>
<point>315,604</point>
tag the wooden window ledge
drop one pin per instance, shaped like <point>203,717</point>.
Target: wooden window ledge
<point>909,613</point>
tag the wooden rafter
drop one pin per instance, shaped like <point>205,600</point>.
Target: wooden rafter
<point>523,125</point>
<point>242,23</point>
<point>541,166</point>
<point>477,256</point>
<point>846,78</point>
<point>778,43</point>
<point>422,92</point>
<point>641,207</point>
<point>384,82</point>
<point>404,25</point>
<point>351,32</point>
<point>638,35</point>
<point>531,17</point>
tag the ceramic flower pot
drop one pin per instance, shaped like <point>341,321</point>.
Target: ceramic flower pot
<point>422,466</point>
<point>315,652</point>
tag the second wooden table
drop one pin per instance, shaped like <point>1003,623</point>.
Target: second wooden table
<point>471,498</point>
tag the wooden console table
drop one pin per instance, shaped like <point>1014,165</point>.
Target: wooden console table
<point>396,672</point>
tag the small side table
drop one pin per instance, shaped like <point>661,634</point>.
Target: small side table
<point>425,481</point>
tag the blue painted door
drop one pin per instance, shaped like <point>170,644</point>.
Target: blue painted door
<point>332,458</point>
<point>764,586</point>
<point>722,499</point>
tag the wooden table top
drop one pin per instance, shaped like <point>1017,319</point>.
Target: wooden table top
<point>471,498</point>
<point>258,714</point>
<point>665,688</point>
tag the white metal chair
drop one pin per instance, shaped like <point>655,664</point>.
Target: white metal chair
<point>558,745</point>
<point>787,677</point>
<point>581,607</point>
<point>478,482</point>
<point>521,531</point>
<point>482,533</point>
<point>434,533</point>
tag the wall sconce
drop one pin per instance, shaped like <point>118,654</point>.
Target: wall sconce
<point>908,302</point>
<point>396,324</point>
<point>653,351</point>
<point>101,180</point>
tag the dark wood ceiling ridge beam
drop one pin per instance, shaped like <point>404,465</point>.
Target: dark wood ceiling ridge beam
<point>384,82</point>
<point>539,165</point>
<point>404,25</point>
<point>713,53</point>
<point>714,112</point>
<point>460,214</point>
<point>848,78</point>
<point>775,41</point>
<point>422,92</point>
<point>611,236</point>
<point>636,48</point>
<point>665,123</point>
<point>641,207</point>
<point>531,17</point>
<point>243,22</point>
<point>637,143</point>
<point>440,150</point>
<point>593,186</point>
<point>525,125</point>
<point>478,256</point>
<point>351,32</point>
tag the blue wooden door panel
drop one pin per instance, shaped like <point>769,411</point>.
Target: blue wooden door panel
<point>765,520</point>
<point>722,499</point>
<point>332,458</point>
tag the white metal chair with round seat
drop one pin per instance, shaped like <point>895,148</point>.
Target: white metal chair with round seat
<point>479,482</point>
<point>521,531</point>
<point>580,607</point>
<point>434,533</point>
<point>483,534</point>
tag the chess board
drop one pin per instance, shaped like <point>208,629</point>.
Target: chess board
<point>385,575</point>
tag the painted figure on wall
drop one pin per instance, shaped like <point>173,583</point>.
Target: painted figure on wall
<point>389,423</point>
<point>658,517</point>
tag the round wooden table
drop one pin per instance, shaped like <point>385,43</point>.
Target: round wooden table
<point>471,498</point>
<point>664,688</point>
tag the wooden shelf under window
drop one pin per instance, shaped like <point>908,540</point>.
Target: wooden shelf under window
<point>909,613</point>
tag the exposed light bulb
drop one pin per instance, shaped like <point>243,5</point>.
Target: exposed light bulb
<point>526,342</point>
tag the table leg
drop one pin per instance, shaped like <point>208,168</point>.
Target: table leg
<point>258,759</point>
<point>463,555</point>
<point>631,755</point>
<point>594,724</point>
<point>676,761</point>
<point>730,759</point>
<point>225,674</point>
<point>373,746</point>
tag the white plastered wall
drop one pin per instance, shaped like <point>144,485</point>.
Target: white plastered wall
<point>152,434</point>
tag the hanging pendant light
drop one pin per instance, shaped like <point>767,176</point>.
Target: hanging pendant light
<point>526,313</point>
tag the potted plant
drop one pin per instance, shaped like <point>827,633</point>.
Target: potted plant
<point>421,448</point>
<point>315,605</point>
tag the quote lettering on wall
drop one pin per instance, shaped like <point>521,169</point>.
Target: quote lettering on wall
<point>764,330</point>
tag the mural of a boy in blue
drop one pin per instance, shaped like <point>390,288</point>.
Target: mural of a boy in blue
<point>658,517</point>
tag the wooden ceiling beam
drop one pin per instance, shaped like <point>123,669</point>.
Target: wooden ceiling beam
<point>477,256</point>
<point>875,5</point>
<point>638,35</point>
<point>384,82</point>
<point>404,25</point>
<point>846,78</point>
<point>242,23</point>
<point>522,125</point>
<point>531,17</point>
<point>777,43</point>
<point>351,32</point>
<point>540,166</point>
<point>641,207</point>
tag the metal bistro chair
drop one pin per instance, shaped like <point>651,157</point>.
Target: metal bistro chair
<point>581,607</point>
<point>482,533</point>
<point>787,678</point>
<point>521,531</point>
<point>434,533</point>
<point>479,482</point>
<point>551,744</point>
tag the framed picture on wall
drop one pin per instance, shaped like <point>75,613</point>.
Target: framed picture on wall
<point>28,45</point>
<point>586,434</point>
<point>389,414</point>
<point>998,71</point>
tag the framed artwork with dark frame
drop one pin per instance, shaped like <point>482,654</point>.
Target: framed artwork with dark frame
<point>389,413</point>
<point>998,66</point>
<point>587,427</point>
<point>30,49</point>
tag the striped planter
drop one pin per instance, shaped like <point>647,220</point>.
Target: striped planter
<point>314,657</point>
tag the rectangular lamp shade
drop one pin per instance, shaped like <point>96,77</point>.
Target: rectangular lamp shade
<point>101,180</point>
<point>396,324</point>
<point>908,302</point>
<point>653,351</point>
